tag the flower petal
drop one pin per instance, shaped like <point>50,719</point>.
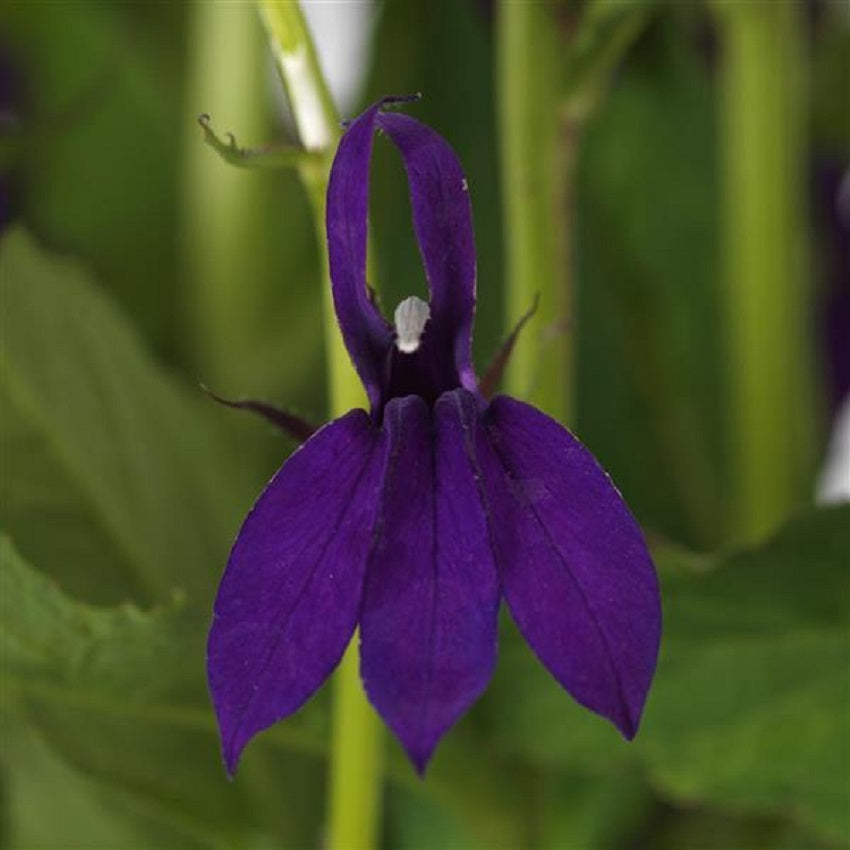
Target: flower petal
<point>368,337</point>
<point>442,218</point>
<point>289,600</point>
<point>576,573</point>
<point>429,621</point>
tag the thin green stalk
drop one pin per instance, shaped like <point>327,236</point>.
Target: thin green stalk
<point>318,130</point>
<point>354,787</point>
<point>770,380</point>
<point>537,159</point>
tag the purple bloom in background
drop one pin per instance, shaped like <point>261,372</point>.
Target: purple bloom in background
<point>414,520</point>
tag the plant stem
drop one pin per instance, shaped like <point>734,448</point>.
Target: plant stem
<point>537,158</point>
<point>220,207</point>
<point>354,786</point>
<point>770,379</point>
<point>319,130</point>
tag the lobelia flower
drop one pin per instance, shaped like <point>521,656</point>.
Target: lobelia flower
<point>415,519</point>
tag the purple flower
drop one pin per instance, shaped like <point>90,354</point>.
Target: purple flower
<point>414,520</point>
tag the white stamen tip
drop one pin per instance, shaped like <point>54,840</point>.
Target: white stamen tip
<point>410,319</point>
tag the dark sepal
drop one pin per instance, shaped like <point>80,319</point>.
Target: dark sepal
<point>493,375</point>
<point>293,426</point>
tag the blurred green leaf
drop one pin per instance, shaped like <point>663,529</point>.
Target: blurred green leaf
<point>101,161</point>
<point>694,827</point>
<point>603,33</point>
<point>118,700</point>
<point>50,644</point>
<point>603,813</point>
<point>414,822</point>
<point>123,447</point>
<point>165,756</point>
<point>748,710</point>
<point>649,337</point>
<point>830,76</point>
<point>47,804</point>
<point>37,494</point>
<point>47,638</point>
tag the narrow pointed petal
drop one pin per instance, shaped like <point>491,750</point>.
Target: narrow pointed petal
<point>576,573</point>
<point>291,424</point>
<point>428,626</point>
<point>442,218</point>
<point>367,335</point>
<point>493,375</point>
<point>289,600</point>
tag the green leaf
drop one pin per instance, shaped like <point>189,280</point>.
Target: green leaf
<point>37,494</point>
<point>413,822</point>
<point>120,708</point>
<point>101,146</point>
<point>647,313</point>
<point>602,813</point>
<point>748,709</point>
<point>47,639</point>
<point>102,446</point>
<point>605,30</point>
<point>691,827</point>
<point>48,804</point>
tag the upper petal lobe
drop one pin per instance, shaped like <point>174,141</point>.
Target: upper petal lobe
<point>442,219</point>
<point>429,621</point>
<point>367,335</point>
<point>576,573</point>
<point>289,600</point>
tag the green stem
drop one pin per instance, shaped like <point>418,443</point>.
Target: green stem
<point>220,206</point>
<point>537,158</point>
<point>770,403</point>
<point>298,65</point>
<point>354,787</point>
<point>319,130</point>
